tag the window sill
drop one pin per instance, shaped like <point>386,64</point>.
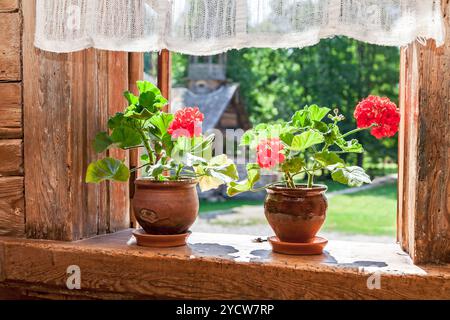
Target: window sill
<point>214,266</point>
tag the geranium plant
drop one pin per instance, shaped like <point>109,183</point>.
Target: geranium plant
<point>312,141</point>
<point>174,146</point>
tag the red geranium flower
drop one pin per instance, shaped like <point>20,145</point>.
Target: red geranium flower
<point>187,123</point>
<point>269,153</point>
<point>381,113</point>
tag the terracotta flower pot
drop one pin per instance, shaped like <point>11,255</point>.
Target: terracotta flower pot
<point>166,208</point>
<point>296,215</point>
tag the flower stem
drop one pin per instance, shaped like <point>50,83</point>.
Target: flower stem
<point>289,181</point>
<point>177,175</point>
<point>310,180</point>
<point>358,130</point>
<point>147,146</point>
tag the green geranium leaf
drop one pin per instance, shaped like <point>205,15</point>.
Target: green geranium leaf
<point>126,137</point>
<point>321,126</point>
<point>327,158</point>
<point>253,176</point>
<point>116,121</point>
<point>306,140</point>
<point>223,168</point>
<point>351,176</point>
<point>146,100</point>
<point>207,183</point>
<point>162,121</point>
<point>332,134</point>
<point>138,113</point>
<point>107,169</point>
<point>131,98</point>
<point>293,165</point>
<point>102,142</point>
<point>145,86</point>
<point>220,170</point>
<point>317,113</point>
<point>301,119</point>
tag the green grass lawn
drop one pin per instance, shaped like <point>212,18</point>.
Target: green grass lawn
<point>371,212</point>
<point>228,204</point>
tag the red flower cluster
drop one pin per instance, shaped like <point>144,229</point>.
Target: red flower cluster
<point>380,112</point>
<point>187,123</point>
<point>269,153</point>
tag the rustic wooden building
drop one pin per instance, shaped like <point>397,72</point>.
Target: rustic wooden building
<point>217,98</point>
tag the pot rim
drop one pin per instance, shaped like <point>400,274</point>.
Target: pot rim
<point>172,184</point>
<point>317,188</point>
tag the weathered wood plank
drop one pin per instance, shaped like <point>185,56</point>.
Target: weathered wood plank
<point>12,220</point>
<point>9,5</point>
<point>10,47</point>
<point>222,267</point>
<point>135,73</point>
<point>78,92</point>
<point>164,70</point>
<point>11,158</point>
<point>425,155</point>
<point>119,209</point>
<point>10,110</point>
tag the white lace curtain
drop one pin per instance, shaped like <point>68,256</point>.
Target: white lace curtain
<point>202,27</point>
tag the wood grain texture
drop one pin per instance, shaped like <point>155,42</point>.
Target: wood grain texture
<point>220,267</point>
<point>12,219</point>
<point>119,209</point>
<point>11,158</point>
<point>10,46</point>
<point>135,73</point>
<point>424,218</point>
<point>67,101</point>
<point>164,78</point>
<point>9,5</point>
<point>10,110</point>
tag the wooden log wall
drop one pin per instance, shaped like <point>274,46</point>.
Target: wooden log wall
<point>12,218</point>
<point>424,184</point>
<point>67,100</point>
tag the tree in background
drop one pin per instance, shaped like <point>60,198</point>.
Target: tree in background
<point>336,73</point>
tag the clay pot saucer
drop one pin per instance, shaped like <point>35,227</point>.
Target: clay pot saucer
<point>160,241</point>
<point>315,247</point>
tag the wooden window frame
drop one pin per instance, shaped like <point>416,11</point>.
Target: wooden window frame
<point>68,97</point>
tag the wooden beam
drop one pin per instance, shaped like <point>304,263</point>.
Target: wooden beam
<point>216,266</point>
<point>135,73</point>
<point>119,209</point>
<point>11,158</point>
<point>10,110</point>
<point>9,5</point>
<point>424,193</point>
<point>164,70</point>
<point>67,100</point>
<point>12,219</point>
<point>10,48</point>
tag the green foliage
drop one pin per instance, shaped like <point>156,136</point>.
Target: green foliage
<point>253,176</point>
<point>144,124</point>
<point>107,169</point>
<point>310,142</point>
<point>337,72</point>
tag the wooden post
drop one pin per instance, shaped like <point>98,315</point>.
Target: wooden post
<point>67,100</point>
<point>164,66</point>
<point>135,73</point>
<point>424,154</point>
